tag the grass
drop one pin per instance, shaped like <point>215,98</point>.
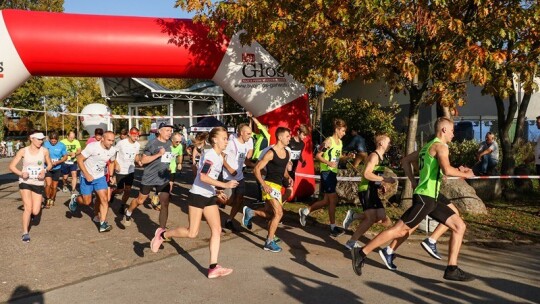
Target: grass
<point>514,221</point>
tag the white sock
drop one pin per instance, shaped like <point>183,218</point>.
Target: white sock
<point>432,241</point>
<point>305,211</point>
<point>332,226</point>
<point>128,213</point>
<point>389,250</point>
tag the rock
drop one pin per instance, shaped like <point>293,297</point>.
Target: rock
<point>487,189</point>
<point>522,185</point>
<point>348,191</point>
<point>462,195</point>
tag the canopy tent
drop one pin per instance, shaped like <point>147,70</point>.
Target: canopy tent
<point>207,124</point>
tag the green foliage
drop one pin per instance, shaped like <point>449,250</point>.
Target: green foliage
<point>367,117</point>
<point>463,153</point>
<point>34,5</point>
<point>524,155</point>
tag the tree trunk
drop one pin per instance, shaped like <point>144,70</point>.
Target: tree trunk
<point>505,122</point>
<point>415,97</point>
<point>520,122</point>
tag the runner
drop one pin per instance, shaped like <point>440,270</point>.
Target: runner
<point>177,157</point>
<point>433,163</point>
<point>127,155</point>
<point>202,200</point>
<point>73,147</point>
<point>372,181</point>
<point>275,161</point>
<point>329,154</point>
<point>238,154</point>
<point>296,147</point>
<point>92,162</point>
<point>197,150</point>
<point>31,178</point>
<point>98,135</point>
<point>58,154</point>
<point>156,159</point>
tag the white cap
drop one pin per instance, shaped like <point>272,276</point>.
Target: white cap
<point>38,135</point>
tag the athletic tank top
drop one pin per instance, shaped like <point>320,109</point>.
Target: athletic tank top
<point>276,168</point>
<point>377,170</point>
<point>430,172</point>
<point>332,154</point>
<point>33,164</point>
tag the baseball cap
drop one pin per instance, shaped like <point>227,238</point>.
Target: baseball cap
<point>164,125</point>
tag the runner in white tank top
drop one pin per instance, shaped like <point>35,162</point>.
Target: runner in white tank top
<point>31,178</point>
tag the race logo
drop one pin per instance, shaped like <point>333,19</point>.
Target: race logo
<point>260,72</point>
<point>1,69</point>
<point>248,58</point>
<point>39,163</point>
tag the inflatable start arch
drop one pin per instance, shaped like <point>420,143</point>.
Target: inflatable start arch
<point>57,44</point>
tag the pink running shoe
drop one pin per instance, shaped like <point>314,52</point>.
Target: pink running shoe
<point>218,272</point>
<point>157,240</point>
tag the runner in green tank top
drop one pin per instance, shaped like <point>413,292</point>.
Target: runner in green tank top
<point>424,205</point>
<point>328,156</point>
<point>372,181</point>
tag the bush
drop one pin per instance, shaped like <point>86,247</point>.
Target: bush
<point>463,153</point>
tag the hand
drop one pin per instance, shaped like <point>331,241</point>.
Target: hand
<point>234,173</point>
<point>161,151</point>
<point>25,175</point>
<point>389,180</point>
<point>221,195</point>
<point>113,180</point>
<point>139,163</point>
<point>231,184</point>
<point>291,182</point>
<point>179,167</point>
<point>89,178</point>
<point>41,175</point>
<point>464,169</point>
<point>249,114</point>
<point>332,164</point>
<point>266,188</point>
<point>414,184</point>
<point>469,173</point>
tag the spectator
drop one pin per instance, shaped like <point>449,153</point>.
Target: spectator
<point>487,156</point>
<point>10,148</point>
<point>537,149</point>
<point>358,147</point>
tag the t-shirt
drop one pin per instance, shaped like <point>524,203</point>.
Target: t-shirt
<point>176,151</point>
<point>56,152</point>
<point>157,172</point>
<point>494,149</point>
<point>296,151</point>
<point>214,162</point>
<point>91,140</point>
<point>236,156</point>
<point>72,147</point>
<point>125,155</point>
<point>96,158</point>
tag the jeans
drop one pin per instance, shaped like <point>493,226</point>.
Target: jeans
<point>486,165</point>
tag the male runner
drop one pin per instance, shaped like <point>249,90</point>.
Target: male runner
<point>58,154</point>
<point>73,147</point>
<point>127,156</point>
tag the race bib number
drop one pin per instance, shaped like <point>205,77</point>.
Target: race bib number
<point>295,155</point>
<point>129,155</point>
<point>54,160</point>
<point>98,168</point>
<point>276,194</point>
<point>334,159</point>
<point>69,162</point>
<point>167,157</point>
<point>241,156</point>
<point>33,171</point>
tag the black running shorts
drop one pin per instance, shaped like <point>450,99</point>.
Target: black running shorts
<point>200,201</point>
<point>423,206</point>
<point>370,199</point>
<point>165,188</point>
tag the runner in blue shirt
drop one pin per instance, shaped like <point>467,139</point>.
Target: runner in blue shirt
<point>58,153</point>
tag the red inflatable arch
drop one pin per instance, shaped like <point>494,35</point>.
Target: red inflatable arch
<point>57,44</point>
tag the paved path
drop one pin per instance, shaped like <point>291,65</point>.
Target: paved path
<point>69,261</point>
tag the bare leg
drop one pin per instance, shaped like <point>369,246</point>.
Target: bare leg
<point>164,211</point>
<point>274,222</point>
<point>333,199</point>
<point>195,216</point>
<point>458,227</point>
<point>211,214</point>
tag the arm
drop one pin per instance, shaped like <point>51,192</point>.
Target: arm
<point>15,161</point>
<point>80,162</point>
<point>248,160</point>
<point>227,166</point>
<point>146,159</point>
<point>441,152</point>
<point>260,166</point>
<point>320,158</point>
<point>407,163</point>
<point>48,161</point>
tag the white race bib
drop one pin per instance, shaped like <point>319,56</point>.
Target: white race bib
<point>54,160</point>
<point>69,162</point>
<point>241,156</point>
<point>33,171</point>
<point>295,155</point>
<point>130,155</point>
<point>167,157</point>
<point>98,168</point>
<point>276,194</point>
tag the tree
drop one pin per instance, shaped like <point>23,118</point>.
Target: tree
<point>504,56</point>
<point>411,45</point>
<point>28,94</point>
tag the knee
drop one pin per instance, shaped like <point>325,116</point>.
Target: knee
<point>278,212</point>
<point>35,211</point>
<point>460,227</point>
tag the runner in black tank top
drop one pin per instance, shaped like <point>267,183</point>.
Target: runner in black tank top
<point>275,161</point>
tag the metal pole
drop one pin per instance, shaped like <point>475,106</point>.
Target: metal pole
<point>63,130</point>
<point>77,117</point>
<point>45,116</point>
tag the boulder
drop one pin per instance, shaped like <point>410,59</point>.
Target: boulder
<point>348,191</point>
<point>487,189</point>
<point>462,195</point>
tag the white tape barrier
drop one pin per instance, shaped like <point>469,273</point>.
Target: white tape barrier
<point>358,178</point>
<point>114,116</point>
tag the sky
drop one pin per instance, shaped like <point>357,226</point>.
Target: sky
<point>143,8</point>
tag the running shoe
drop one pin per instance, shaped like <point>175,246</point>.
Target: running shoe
<point>349,217</point>
<point>127,221</point>
<point>350,244</point>
<point>65,189</point>
<point>430,248</point>
<point>336,232</point>
<point>73,203</point>
<point>26,238</point>
<point>357,260</point>
<point>388,259</point>
<point>155,202</point>
<point>48,203</point>
<point>105,227</point>
<point>230,226</point>
<point>247,217</point>
<point>457,275</point>
<point>157,240</point>
<point>272,247</point>
<point>303,216</point>
<point>218,271</point>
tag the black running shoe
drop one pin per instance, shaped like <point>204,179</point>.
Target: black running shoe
<point>357,260</point>
<point>230,226</point>
<point>336,231</point>
<point>457,275</point>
